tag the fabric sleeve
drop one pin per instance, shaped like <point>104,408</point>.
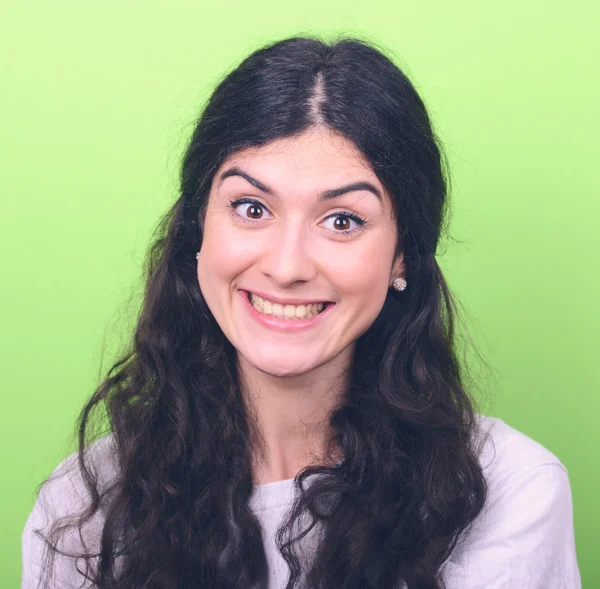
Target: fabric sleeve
<point>63,494</point>
<point>42,515</point>
<point>524,538</point>
<point>32,550</point>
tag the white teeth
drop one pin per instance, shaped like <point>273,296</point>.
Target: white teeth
<point>287,311</point>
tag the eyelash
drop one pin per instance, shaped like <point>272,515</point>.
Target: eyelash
<point>360,222</point>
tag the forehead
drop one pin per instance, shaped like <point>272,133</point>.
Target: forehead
<point>316,159</point>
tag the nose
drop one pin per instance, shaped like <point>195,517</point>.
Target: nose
<point>289,256</point>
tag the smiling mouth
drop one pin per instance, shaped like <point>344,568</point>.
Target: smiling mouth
<point>286,311</point>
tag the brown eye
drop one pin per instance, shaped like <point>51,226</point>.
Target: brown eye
<point>247,209</point>
<point>254,211</point>
<point>345,223</point>
<point>342,223</point>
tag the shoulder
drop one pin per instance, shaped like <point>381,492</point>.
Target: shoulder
<point>505,452</point>
<point>65,491</point>
<point>64,494</point>
<point>525,479</point>
<point>524,536</point>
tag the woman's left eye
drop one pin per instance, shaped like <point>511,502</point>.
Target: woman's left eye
<point>248,210</point>
<point>342,223</point>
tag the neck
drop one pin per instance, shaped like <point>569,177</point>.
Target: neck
<point>290,416</point>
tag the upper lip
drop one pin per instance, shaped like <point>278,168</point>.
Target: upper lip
<point>282,301</point>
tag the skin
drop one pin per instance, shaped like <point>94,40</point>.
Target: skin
<point>291,246</point>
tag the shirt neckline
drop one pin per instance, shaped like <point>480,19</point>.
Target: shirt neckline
<point>275,494</point>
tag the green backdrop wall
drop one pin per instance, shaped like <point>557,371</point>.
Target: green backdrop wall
<point>98,100</point>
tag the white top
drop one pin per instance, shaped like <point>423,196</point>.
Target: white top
<point>523,538</point>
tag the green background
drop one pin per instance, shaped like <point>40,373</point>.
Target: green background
<point>98,100</point>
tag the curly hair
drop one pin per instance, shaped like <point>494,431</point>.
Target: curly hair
<point>177,516</point>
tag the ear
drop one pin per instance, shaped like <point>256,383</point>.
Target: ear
<point>398,268</point>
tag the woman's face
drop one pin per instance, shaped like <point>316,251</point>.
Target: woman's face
<point>293,234</point>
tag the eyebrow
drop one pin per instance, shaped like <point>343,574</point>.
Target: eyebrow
<point>326,195</point>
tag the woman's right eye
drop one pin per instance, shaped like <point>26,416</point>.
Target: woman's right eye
<point>247,209</point>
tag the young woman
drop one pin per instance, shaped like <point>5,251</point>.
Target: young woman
<point>291,412</point>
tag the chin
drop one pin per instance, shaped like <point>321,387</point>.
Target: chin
<point>282,366</point>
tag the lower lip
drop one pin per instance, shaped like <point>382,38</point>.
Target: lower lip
<point>279,324</point>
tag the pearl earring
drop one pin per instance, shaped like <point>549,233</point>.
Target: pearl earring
<point>198,254</point>
<point>399,283</point>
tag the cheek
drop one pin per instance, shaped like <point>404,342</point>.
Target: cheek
<point>223,254</point>
<point>364,277</point>
<point>363,288</point>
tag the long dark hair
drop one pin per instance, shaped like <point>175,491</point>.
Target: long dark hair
<point>410,483</point>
